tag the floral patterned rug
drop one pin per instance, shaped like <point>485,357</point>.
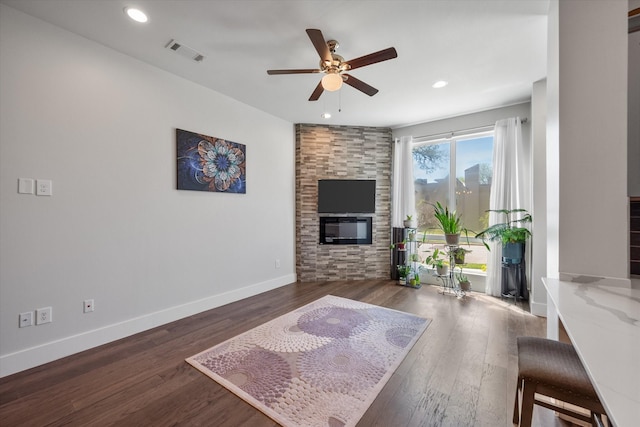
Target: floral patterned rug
<point>320,365</point>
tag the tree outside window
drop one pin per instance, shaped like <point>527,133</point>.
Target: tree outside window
<point>469,160</point>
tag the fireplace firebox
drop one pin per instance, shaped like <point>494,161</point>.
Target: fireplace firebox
<point>346,230</point>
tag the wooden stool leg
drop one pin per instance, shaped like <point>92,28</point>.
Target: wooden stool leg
<point>528,399</point>
<point>516,404</point>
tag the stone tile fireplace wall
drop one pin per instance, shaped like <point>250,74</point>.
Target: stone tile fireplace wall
<point>341,152</point>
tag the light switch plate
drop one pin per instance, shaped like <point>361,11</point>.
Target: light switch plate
<point>44,187</point>
<point>26,185</point>
<point>26,319</point>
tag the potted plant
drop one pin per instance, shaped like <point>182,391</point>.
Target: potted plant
<point>463,281</point>
<point>399,245</point>
<point>510,233</point>
<point>409,222</point>
<point>459,254</point>
<point>449,223</point>
<point>403,272</point>
<point>437,261</point>
<point>414,282</point>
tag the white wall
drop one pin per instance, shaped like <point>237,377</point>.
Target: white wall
<point>538,295</point>
<point>101,125</point>
<point>587,137</point>
<point>469,121</point>
<point>552,140</point>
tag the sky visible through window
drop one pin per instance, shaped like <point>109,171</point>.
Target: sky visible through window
<point>469,152</point>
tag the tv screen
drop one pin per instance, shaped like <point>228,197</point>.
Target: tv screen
<point>347,196</point>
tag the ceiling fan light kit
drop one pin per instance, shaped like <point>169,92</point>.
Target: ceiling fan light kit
<point>334,66</point>
<point>332,81</point>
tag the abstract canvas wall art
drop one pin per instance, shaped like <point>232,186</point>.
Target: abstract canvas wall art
<point>207,163</point>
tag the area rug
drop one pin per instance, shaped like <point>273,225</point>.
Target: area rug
<point>320,365</point>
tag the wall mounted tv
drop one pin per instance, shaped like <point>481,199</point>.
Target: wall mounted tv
<point>347,196</point>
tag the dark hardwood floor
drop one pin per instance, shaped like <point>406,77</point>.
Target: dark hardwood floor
<point>462,371</point>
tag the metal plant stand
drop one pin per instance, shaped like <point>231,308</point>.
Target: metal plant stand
<point>449,284</point>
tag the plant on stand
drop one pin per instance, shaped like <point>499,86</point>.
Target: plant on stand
<point>409,222</point>
<point>511,233</point>
<point>459,254</point>
<point>437,261</point>
<point>399,245</point>
<point>403,272</point>
<point>450,224</point>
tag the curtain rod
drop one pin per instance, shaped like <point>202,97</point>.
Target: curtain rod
<point>459,132</point>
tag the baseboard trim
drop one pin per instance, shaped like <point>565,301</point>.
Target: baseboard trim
<point>35,356</point>
<point>538,309</point>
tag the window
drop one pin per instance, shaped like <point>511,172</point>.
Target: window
<point>470,160</point>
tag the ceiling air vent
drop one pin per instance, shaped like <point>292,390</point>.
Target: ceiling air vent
<point>185,51</point>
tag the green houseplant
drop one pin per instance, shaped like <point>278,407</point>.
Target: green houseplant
<point>437,261</point>
<point>409,222</point>
<point>463,281</point>
<point>459,254</point>
<point>403,272</point>
<point>511,233</point>
<point>450,224</point>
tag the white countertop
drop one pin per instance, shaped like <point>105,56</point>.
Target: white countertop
<point>602,318</point>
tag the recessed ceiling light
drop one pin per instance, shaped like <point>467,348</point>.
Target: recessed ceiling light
<point>439,84</point>
<point>136,14</point>
<point>326,115</point>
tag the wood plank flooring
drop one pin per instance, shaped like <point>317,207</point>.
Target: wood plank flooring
<point>462,371</point>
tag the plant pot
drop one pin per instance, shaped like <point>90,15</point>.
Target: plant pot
<point>410,223</point>
<point>458,257</point>
<point>402,281</point>
<point>452,239</point>
<point>512,253</point>
<point>465,286</point>
<point>442,271</point>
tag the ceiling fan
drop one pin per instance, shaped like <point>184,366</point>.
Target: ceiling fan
<point>335,67</point>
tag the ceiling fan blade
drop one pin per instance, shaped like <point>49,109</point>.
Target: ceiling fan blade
<point>300,71</point>
<point>373,58</point>
<point>360,85</point>
<point>317,92</point>
<point>319,43</point>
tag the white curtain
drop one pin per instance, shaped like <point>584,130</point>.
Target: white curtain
<point>509,188</point>
<point>403,187</point>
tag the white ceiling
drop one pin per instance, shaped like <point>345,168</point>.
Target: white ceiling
<point>490,51</point>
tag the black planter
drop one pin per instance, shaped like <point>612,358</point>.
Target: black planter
<point>512,253</point>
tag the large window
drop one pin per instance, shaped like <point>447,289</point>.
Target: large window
<point>470,160</point>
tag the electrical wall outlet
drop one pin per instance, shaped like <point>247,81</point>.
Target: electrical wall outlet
<point>43,315</point>
<point>44,187</point>
<point>88,306</point>
<point>277,263</point>
<point>26,319</point>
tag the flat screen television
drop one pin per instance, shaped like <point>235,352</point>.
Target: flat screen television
<point>346,196</point>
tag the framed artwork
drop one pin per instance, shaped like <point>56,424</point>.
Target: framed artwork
<point>207,163</point>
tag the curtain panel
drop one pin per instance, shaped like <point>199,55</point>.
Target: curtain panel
<point>509,189</point>
<point>403,202</point>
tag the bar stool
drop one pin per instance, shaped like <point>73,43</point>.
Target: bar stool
<point>552,369</point>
